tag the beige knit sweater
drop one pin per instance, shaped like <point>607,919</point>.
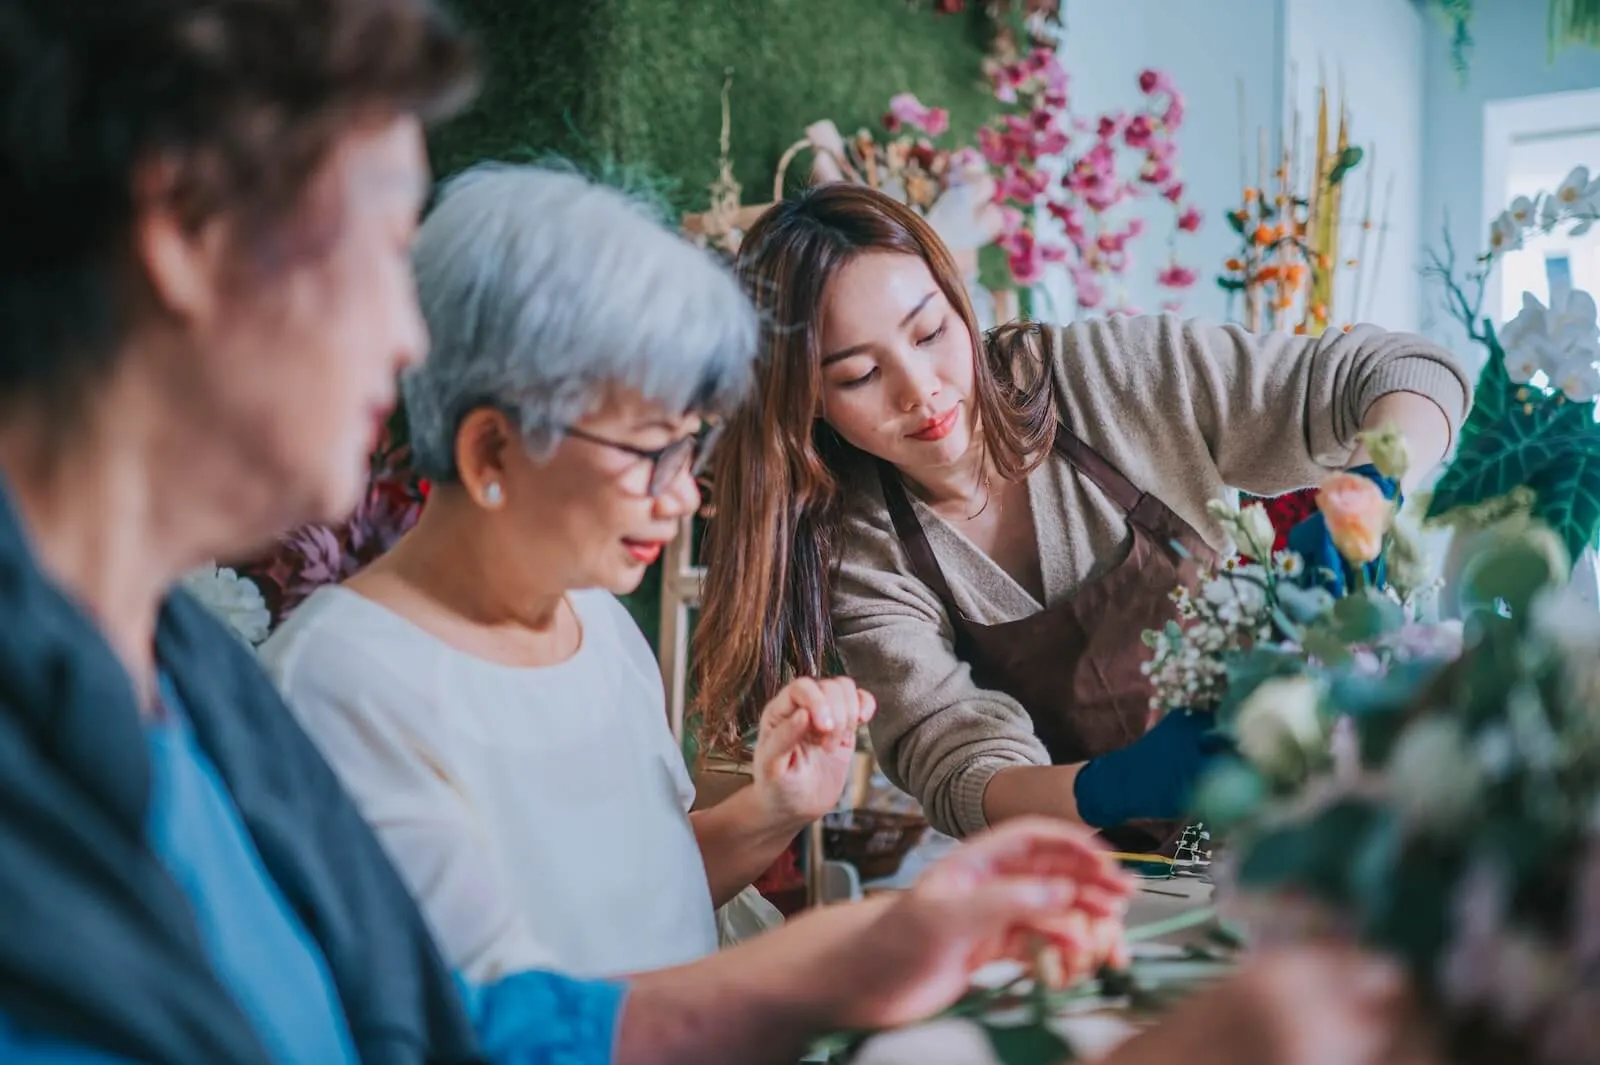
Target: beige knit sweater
<point>1186,410</point>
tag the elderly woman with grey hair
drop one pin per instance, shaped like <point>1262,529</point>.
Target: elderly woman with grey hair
<point>490,704</point>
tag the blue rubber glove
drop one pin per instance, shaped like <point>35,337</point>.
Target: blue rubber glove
<point>1325,567</point>
<point>1152,778</point>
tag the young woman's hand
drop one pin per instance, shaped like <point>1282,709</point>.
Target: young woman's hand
<point>805,747</point>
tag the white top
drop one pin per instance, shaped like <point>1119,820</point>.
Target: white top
<point>539,816</point>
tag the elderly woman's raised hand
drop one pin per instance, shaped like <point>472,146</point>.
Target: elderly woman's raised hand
<point>805,746</point>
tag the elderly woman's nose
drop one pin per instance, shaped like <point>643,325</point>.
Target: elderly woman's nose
<point>680,497</point>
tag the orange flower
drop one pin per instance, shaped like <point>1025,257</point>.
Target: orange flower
<point>1319,310</point>
<point>1263,234</point>
<point>1357,514</point>
<point>1234,265</point>
<point>1296,273</point>
<point>1267,273</point>
<point>1249,195</point>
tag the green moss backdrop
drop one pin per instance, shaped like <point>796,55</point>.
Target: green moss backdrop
<point>638,83</point>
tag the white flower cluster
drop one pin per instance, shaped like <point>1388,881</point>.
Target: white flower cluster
<point>1229,611</point>
<point>234,599</point>
<point>1558,344</point>
<point>1576,199</point>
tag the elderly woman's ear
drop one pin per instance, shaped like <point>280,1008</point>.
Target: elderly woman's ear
<point>484,451</point>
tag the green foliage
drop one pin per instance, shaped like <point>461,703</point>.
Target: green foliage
<point>1515,437</point>
<point>639,81</point>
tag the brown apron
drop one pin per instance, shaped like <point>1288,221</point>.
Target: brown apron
<point>1074,666</point>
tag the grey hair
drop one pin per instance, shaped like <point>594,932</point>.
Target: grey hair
<point>542,289</point>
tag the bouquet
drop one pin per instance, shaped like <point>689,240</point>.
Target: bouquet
<point>1260,640</point>
<point>1464,841</point>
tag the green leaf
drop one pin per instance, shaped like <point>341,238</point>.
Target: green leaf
<point>1236,221</point>
<point>1027,1045</point>
<point>1230,284</point>
<point>1248,670</point>
<point>1364,616</point>
<point>1349,159</point>
<point>1512,572</point>
<point>1229,795</point>
<point>1303,604</point>
<point>1568,496</point>
<point>1324,644</point>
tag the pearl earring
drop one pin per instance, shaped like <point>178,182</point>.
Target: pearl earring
<point>492,494</point>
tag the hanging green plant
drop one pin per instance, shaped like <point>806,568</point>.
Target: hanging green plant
<point>1569,23</point>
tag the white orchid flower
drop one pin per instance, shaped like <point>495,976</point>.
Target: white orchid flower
<point>1578,379</point>
<point>1522,211</point>
<point>1526,341</point>
<point>1504,234</point>
<point>1577,191</point>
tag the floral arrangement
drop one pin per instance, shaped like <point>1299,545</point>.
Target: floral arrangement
<point>255,597</point>
<point>1460,837</point>
<point>1050,162</point>
<point>1256,636</point>
<point>1531,445</point>
<point>1290,226</point>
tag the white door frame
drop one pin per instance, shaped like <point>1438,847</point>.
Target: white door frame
<point>1507,123</point>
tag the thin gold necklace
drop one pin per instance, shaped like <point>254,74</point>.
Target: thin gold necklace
<point>988,494</point>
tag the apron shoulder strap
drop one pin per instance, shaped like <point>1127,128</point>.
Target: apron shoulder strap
<point>1095,466</point>
<point>1144,510</point>
<point>924,563</point>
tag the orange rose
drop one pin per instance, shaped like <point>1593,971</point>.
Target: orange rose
<point>1357,514</point>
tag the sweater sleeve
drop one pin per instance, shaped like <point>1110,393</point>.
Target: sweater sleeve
<point>937,734</point>
<point>1271,412</point>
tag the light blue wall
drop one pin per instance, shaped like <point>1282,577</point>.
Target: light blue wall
<point>1510,61</point>
<point>1207,46</point>
<point>1374,49</point>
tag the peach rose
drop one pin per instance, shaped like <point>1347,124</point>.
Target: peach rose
<point>1357,514</point>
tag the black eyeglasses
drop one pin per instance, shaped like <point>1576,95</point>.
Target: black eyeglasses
<point>690,452</point>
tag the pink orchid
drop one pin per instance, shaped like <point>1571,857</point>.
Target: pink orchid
<point>1025,269</point>
<point>1111,125</point>
<point>1176,276</point>
<point>1173,192</point>
<point>1138,133</point>
<point>1189,220</point>
<point>1052,253</point>
<point>905,109</point>
<point>1089,294</point>
<point>1155,81</point>
<point>1172,118</point>
<point>1155,172</point>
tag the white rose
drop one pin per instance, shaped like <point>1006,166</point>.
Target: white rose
<point>1433,776</point>
<point>1255,529</point>
<point>1279,725</point>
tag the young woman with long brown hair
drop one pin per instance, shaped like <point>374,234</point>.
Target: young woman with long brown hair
<point>978,528</point>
